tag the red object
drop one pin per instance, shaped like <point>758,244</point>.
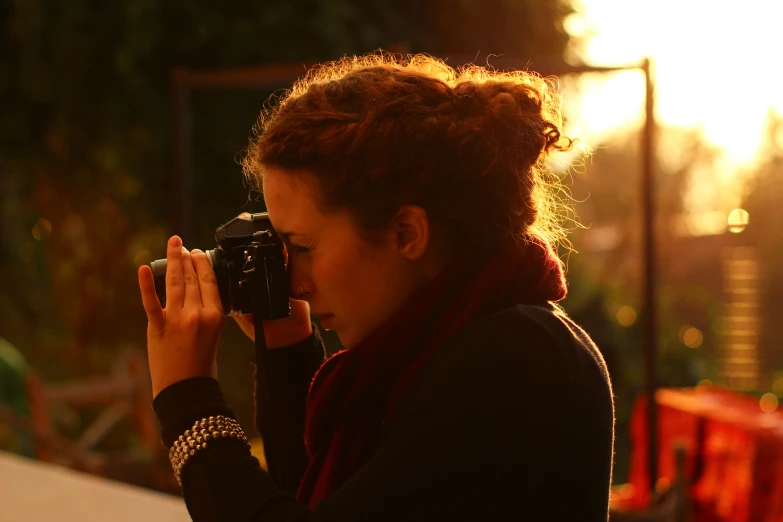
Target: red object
<point>357,390</point>
<point>734,453</point>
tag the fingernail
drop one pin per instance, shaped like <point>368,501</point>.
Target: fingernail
<point>196,251</point>
<point>175,241</point>
<point>184,250</point>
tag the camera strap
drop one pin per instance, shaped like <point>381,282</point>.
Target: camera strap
<point>254,276</point>
<point>271,434</point>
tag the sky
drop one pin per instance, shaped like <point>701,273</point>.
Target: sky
<point>717,67</point>
<point>717,72</point>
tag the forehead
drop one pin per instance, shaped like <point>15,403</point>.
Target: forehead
<point>292,204</point>
<point>289,200</point>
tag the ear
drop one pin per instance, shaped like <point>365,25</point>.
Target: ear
<point>411,231</point>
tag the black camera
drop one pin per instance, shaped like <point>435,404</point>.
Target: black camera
<point>249,267</point>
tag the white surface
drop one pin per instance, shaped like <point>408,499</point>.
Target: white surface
<point>36,491</point>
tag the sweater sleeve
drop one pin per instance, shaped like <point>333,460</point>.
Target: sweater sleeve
<point>282,385</point>
<point>280,400</point>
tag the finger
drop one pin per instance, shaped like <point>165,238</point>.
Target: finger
<point>192,290</point>
<point>210,293</point>
<point>175,285</point>
<point>150,299</point>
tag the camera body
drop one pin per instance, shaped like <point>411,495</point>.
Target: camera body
<point>249,267</point>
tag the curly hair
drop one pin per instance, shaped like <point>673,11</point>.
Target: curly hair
<point>471,146</point>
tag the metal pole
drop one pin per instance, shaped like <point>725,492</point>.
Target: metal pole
<point>648,261</point>
<point>183,175</point>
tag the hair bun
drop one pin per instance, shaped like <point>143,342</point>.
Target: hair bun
<point>518,110</point>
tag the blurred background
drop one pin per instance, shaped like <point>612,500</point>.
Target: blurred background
<point>101,101</point>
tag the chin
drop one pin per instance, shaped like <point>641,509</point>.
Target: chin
<point>351,338</point>
<point>346,340</point>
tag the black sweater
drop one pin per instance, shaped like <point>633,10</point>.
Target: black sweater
<point>513,419</point>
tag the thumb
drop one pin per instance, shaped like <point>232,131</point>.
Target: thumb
<point>245,323</point>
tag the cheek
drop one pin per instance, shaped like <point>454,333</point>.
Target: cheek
<point>338,277</point>
<point>350,283</point>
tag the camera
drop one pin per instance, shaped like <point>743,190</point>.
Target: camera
<point>249,267</point>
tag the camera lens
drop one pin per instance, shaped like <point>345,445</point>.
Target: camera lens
<point>159,277</point>
<point>219,265</point>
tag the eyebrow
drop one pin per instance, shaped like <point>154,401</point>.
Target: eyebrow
<point>287,235</point>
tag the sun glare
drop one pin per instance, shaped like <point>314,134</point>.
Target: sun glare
<point>713,62</point>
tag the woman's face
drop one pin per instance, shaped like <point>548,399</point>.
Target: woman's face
<point>352,285</point>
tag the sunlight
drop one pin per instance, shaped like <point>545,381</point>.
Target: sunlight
<point>712,68</point>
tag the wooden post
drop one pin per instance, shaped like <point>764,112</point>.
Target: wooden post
<point>39,414</point>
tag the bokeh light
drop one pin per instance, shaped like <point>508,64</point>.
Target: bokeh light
<point>738,220</point>
<point>691,336</point>
<point>626,315</point>
<point>768,403</point>
<point>42,229</point>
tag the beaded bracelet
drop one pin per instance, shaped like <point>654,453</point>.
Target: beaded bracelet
<point>196,438</point>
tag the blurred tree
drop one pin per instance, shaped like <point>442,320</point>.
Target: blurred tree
<point>609,208</point>
<point>85,183</point>
<point>605,285</point>
<point>762,201</point>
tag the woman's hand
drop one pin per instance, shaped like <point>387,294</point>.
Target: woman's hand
<point>182,338</point>
<point>281,332</point>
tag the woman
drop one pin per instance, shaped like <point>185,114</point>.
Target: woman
<point>418,214</point>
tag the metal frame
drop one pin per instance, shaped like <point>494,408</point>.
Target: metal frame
<point>184,80</point>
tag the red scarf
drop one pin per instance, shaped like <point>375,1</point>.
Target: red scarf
<point>357,390</point>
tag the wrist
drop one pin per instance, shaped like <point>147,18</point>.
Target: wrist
<point>278,335</point>
<point>161,382</point>
<point>290,330</point>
